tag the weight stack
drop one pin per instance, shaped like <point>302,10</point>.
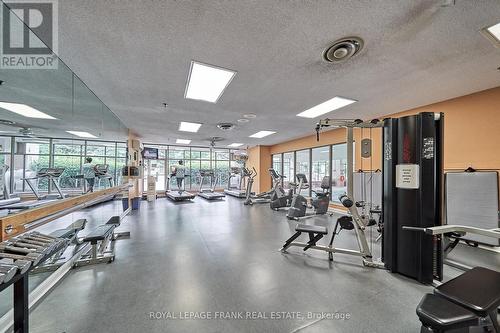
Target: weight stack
<point>413,194</point>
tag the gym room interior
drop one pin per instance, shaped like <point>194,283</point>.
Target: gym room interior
<point>249,166</point>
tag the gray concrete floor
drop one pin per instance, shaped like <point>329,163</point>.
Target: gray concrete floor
<point>222,256</point>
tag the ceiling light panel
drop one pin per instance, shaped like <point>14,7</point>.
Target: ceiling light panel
<point>185,126</point>
<point>495,30</point>
<point>183,141</point>
<point>207,82</point>
<point>325,107</point>
<point>25,110</point>
<point>82,134</point>
<point>493,34</point>
<point>261,134</point>
<point>234,145</point>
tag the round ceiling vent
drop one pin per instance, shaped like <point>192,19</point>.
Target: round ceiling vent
<point>343,49</point>
<point>225,126</point>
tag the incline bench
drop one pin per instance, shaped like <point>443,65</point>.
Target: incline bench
<point>471,299</point>
<point>102,240</point>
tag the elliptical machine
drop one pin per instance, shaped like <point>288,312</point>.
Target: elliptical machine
<point>319,204</point>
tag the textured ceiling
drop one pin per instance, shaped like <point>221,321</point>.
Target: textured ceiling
<point>135,55</point>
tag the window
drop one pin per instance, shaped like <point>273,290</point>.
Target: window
<point>121,149</point>
<point>221,166</point>
<point>303,167</point>
<point>5,146</point>
<point>31,154</point>
<point>339,170</point>
<point>288,169</point>
<point>178,153</point>
<point>320,166</point>
<point>277,163</point>
<point>72,167</point>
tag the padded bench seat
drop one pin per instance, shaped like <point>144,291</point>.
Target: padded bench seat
<point>441,315</point>
<point>100,233</point>
<point>311,228</point>
<point>70,230</point>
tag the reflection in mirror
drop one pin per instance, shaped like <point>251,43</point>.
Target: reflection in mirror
<point>50,122</point>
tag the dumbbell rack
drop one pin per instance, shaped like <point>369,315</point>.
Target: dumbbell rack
<point>21,290</point>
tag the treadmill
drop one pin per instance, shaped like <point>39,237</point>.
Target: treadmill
<point>52,174</point>
<point>101,173</point>
<point>210,193</point>
<point>240,191</point>
<point>180,194</point>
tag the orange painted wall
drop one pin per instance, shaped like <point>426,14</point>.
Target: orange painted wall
<point>259,157</point>
<point>471,134</point>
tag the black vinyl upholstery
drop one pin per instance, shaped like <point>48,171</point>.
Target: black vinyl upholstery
<point>440,314</point>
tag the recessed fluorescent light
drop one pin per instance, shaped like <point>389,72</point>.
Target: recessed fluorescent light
<point>189,127</point>
<point>495,30</point>
<point>183,141</point>
<point>235,145</point>
<point>493,33</point>
<point>325,107</point>
<point>82,134</point>
<point>25,110</point>
<point>261,134</point>
<point>207,82</point>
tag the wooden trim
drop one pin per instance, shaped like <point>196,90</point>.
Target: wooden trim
<point>18,221</point>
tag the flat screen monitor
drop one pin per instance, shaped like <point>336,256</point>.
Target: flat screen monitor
<point>150,153</point>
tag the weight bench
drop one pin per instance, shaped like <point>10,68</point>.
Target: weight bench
<point>101,240</point>
<point>468,300</point>
<point>70,234</point>
<point>315,233</point>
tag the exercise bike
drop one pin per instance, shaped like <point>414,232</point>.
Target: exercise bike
<point>319,204</point>
<point>283,199</point>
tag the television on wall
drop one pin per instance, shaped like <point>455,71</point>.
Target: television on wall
<point>150,153</point>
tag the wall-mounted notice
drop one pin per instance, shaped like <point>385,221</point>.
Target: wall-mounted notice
<point>408,176</point>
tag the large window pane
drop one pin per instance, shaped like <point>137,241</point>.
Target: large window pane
<point>71,165</point>
<point>5,160</point>
<point>68,147</point>
<point>178,153</point>
<point>120,164</point>
<point>222,155</point>
<point>95,148</point>
<point>303,165</point>
<point>320,166</point>
<point>32,146</point>
<point>33,164</point>
<point>222,171</point>
<point>339,170</point>
<point>5,144</point>
<point>277,163</point>
<point>288,169</point>
<point>121,150</point>
<point>195,172</point>
<point>19,173</point>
